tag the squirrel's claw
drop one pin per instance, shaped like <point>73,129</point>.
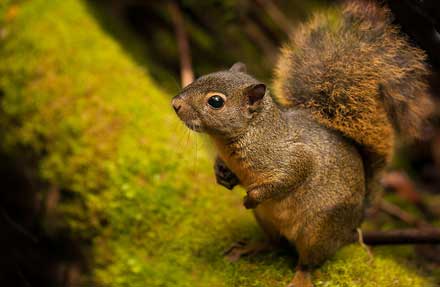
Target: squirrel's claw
<point>224,176</point>
<point>245,248</point>
<point>229,185</point>
<point>250,202</point>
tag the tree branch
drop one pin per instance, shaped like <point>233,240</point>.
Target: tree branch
<point>403,236</point>
<point>397,212</point>
<point>186,71</point>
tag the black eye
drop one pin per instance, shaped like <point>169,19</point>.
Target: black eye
<point>216,102</point>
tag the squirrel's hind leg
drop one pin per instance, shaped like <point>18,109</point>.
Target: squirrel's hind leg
<point>317,242</point>
<point>244,248</point>
<point>270,230</point>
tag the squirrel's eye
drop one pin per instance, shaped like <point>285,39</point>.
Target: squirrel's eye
<point>216,102</point>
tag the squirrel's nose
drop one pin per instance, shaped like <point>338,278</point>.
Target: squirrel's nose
<point>176,104</point>
<point>176,107</point>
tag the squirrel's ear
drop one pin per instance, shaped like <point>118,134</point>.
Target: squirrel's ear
<point>255,94</point>
<point>238,67</point>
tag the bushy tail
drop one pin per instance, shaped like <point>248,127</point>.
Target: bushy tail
<point>407,112</point>
<point>359,75</point>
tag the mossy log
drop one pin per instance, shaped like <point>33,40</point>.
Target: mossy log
<point>135,187</point>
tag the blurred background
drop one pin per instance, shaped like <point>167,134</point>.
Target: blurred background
<point>100,183</point>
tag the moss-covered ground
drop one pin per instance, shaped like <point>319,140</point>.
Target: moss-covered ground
<point>135,184</point>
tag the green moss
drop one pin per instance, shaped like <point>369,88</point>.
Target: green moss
<point>133,181</point>
<point>353,266</point>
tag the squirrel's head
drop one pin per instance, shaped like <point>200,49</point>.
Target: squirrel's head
<point>221,103</point>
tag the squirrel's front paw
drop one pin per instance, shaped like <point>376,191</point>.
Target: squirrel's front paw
<point>225,176</point>
<point>250,201</point>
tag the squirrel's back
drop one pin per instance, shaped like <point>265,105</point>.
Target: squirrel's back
<point>358,75</point>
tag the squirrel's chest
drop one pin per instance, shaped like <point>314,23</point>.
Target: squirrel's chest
<point>242,164</point>
<point>243,169</point>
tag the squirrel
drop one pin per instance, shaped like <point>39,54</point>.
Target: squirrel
<point>310,155</point>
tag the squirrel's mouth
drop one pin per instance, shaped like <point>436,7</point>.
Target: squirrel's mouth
<point>187,114</point>
<point>194,125</point>
<point>191,122</point>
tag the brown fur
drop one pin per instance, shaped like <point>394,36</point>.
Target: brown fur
<point>358,75</point>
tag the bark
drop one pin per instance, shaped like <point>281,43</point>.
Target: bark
<point>403,236</point>
<point>186,71</point>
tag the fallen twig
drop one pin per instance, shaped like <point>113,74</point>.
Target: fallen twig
<point>402,236</point>
<point>400,183</point>
<point>402,215</point>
